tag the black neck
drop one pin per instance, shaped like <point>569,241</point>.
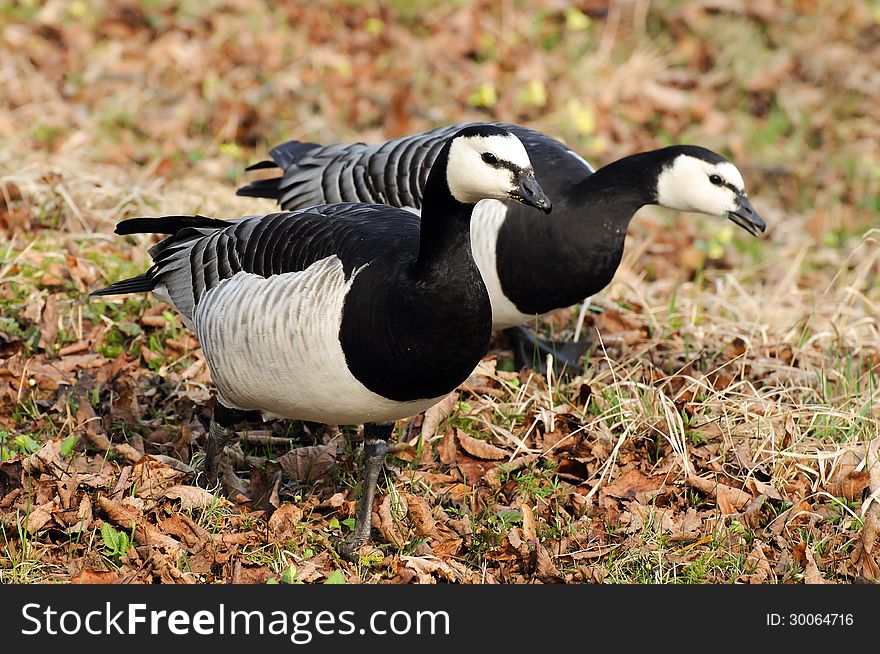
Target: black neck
<point>444,236</point>
<point>624,186</point>
<point>575,251</point>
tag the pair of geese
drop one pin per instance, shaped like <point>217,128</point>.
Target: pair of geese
<point>376,292</point>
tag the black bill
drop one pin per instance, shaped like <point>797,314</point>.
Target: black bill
<point>531,193</point>
<point>746,217</point>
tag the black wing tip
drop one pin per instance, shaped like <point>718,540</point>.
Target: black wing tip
<point>260,165</point>
<point>262,188</point>
<point>166,224</point>
<point>140,283</point>
<point>288,153</point>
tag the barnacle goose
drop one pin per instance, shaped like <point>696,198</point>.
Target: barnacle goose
<point>531,268</point>
<point>340,313</point>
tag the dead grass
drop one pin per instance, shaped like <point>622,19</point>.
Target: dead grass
<point>724,428</point>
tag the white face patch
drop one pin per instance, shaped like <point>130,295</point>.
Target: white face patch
<point>471,179</point>
<point>686,186</point>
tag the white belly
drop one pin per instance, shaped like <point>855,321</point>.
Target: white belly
<point>272,344</point>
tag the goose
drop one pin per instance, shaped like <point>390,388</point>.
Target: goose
<point>530,268</point>
<point>342,313</point>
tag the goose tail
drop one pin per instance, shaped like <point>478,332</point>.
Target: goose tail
<point>172,225</point>
<point>283,156</point>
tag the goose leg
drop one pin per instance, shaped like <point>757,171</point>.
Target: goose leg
<point>531,352</point>
<point>376,437</point>
<point>221,432</point>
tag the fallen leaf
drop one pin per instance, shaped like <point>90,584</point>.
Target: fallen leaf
<point>529,530</point>
<point>426,567</point>
<point>758,564</point>
<point>10,476</point>
<point>730,500</point>
<point>309,464</point>
<point>811,570</point>
<point>865,552</point>
<point>850,486</point>
<point>283,523</point>
<point>39,517</point>
<point>126,514</point>
<point>447,449</point>
<point>631,483</point>
<point>89,576</point>
<point>191,497</point>
<point>47,460</point>
<point>89,424</point>
<point>49,323</point>
<point>545,569</point>
<point>480,448</point>
<point>420,515</point>
<point>437,414</point>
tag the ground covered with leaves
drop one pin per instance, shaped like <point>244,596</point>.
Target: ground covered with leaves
<point>724,428</point>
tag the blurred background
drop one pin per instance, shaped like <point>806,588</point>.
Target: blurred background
<point>712,338</point>
<point>788,89</point>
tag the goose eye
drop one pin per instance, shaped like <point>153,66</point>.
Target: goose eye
<point>490,158</point>
<point>716,179</point>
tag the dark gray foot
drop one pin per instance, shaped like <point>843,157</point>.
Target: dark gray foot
<point>221,432</point>
<point>376,437</point>
<point>531,352</point>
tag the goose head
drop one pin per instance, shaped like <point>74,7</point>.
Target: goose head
<point>486,161</point>
<point>696,179</point>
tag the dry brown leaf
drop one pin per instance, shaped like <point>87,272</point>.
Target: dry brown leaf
<point>529,529</point>
<point>49,323</point>
<point>429,568</point>
<point>730,500</point>
<point>437,414</point>
<point>310,464</point>
<point>514,537</point>
<point>89,576</point>
<point>283,523</point>
<point>189,532</point>
<point>760,488</point>
<point>447,449</point>
<point>872,465</point>
<point>125,514</point>
<point>66,489</point>
<point>191,497</point>
<point>40,516</point>
<point>420,515</point>
<point>641,515</point>
<point>613,321</point>
<point>480,448</point>
<point>631,483</point>
<point>545,569</point>
<point>128,452</point>
<point>758,564</point>
<point>811,570</point>
<point>152,478</point>
<point>47,460</point>
<point>865,553</point>
<point>850,486</point>
<point>90,425</point>
<point>82,519</point>
<point>493,477</point>
<point>386,519</point>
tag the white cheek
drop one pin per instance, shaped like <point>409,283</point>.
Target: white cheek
<point>730,173</point>
<point>733,205</point>
<point>713,200</point>
<point>470,180</point>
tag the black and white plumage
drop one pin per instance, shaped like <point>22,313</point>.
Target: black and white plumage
<point>340,313</point>
<point>530,268</point>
